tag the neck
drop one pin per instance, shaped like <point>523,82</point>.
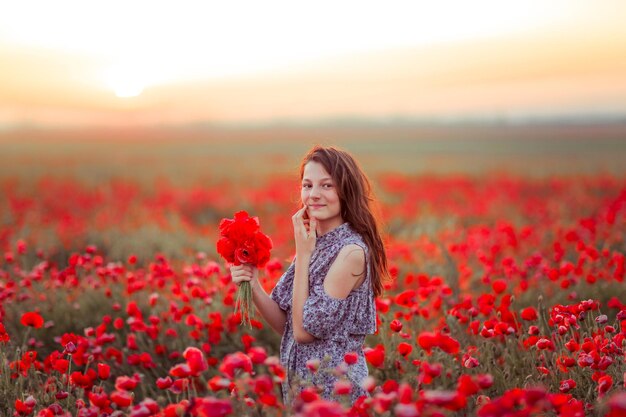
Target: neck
<point>328,225</point>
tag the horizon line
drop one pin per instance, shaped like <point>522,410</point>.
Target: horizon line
<point>348,121</point>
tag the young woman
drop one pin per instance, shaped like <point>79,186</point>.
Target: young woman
<point>323,305</point>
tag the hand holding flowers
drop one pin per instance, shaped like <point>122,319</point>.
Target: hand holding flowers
<point>243,244</point>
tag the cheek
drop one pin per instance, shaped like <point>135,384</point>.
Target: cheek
<point>334,198</point>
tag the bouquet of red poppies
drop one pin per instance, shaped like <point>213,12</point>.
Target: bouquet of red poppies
<point>242,242</point>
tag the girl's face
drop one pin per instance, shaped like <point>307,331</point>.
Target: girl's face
<point>320,196</point>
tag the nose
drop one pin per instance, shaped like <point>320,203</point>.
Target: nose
<point>315,192</point>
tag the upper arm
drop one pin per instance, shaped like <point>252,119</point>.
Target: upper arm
<point>346,272</point>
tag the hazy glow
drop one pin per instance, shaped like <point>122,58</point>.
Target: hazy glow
<point>126,80</point>
<point>155,62</point>
<point>195,40</point>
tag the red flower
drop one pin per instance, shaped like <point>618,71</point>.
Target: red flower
<point>467,386</point>
<point>544,343</point>
<point>257,354</point>
<point>604,384</point>
<point>164,383</point>
<point>323,408</point>
<point>427,341</point>
<point>395,325</point>
<point>235,361</point>
<point>211,407</point>
<point>617,405</point>
<point>122,398</point>
<point>242,242</point>
<point>125,383</point>
<point>376,357</point>
<point>499,286</point>
<point>342,387</point>
<point>448,344</point>
<point>32,319</point>
<point>4,336</point>
<point>195,360</point>
<point>24,408</point>
<point>100,400</point>
<point>104,371</point>
<point>308,395</point>
<point>567,385</point>
<point>529,314</point>
<point>350,358</point>
<point>404,349</point>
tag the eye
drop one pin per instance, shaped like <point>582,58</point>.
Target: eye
<point>328,185</point>
<point>306,185</point>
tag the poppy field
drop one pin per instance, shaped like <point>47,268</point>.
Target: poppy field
<point>507,298</point>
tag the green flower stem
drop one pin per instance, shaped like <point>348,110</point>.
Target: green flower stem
<point>243,303</point>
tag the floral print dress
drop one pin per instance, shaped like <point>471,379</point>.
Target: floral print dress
<point>339,325</point>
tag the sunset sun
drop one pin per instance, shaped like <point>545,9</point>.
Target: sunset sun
<point>126,81</point>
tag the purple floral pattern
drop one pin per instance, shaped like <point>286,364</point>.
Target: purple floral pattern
<point>340,325</point>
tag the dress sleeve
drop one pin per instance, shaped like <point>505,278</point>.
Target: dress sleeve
<point>282,291</point>
<point>325,316</point>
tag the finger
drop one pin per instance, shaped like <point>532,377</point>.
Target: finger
<point>302,229</point>
<point>313,226</point>
<point>299,213</point>
<point>240,280</point>
<point>244,273</point>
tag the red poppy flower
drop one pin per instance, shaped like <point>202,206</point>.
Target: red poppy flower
<point>32,319</point>
<point>604,384</point>
<point>529,314</point>
<point>125,383</point>
<point>235,361</point>
<point>4,336</point>
<point>448,344</point>
<point>617,405</point>
<point>257,354</point>
<point>342,387</point>
<point>211,407</point>
<point>122,398</point>
<point>404,349</point>
<point>104,371</point>
<point>24,408</point>
<point>376,357</point>
<point>195,360</point>
<point>395,325</point>
<point>241,241</point>
<point>567,385</point>
<point>427,341</point>
<point>323,408</point>
<point>164,383</point>
<point>351,358</point>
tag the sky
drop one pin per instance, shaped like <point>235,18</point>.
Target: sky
<point>151,63</point>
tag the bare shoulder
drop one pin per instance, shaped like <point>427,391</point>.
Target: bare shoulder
<point>346,272</point>
<point>353,256</point>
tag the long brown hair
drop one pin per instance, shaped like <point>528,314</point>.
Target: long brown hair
<point>356,199</point>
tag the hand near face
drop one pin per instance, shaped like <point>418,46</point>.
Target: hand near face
<point>305,232</point>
